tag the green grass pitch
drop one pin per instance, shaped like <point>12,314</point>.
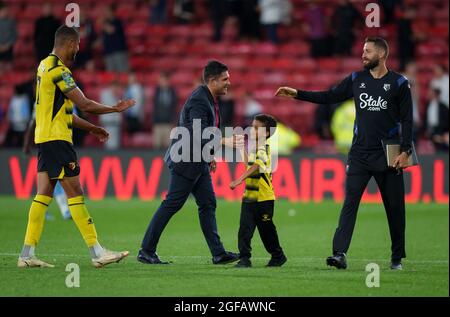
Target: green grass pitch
<point>305,231</point>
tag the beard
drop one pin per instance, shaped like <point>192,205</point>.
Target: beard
<point>372,64</point>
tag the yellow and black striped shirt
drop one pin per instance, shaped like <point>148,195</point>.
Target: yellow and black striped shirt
<point>258,186</point>
<point>53,109</point>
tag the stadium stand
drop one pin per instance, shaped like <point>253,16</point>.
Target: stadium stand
<point>260,67</point>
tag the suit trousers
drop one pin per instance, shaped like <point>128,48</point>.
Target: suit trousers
<point>179,189</point>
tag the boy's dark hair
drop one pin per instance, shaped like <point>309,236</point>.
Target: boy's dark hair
<point>268,121</point>
<point>378,42</point>
<point>64,34</point>
<point>213,70</point>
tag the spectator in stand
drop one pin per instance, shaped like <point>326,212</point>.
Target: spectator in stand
<point>322,120</point>
<point>88,38</point>
<point>183,11</point>
<point>165,103</point>
<point>249,26</point>
<point>251,108</point>
<point>112,121</point>
<point>18,116</point>
<point>134,115</point>
<point>440,81</point>
<point>226,105</point>
<point>406,37</point>
<point>44,32</point>
<point>158,12</point>
<point>218,15</point>
<point>8,36</point>
<point>389,7</point>
<point>437,120</point>
<point>343,125</point>
<point>345,18</point>
<point>114,43</point>
<point>273,13</point>
<point>316,28</point>
<point>410,73</point>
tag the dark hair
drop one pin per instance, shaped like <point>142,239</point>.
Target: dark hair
<point>268,121</point>
<point>64,34</point>
<point>213,70</point>
<point>378,42</point>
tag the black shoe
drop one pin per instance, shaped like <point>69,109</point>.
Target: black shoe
<point>277,261</point>
<point>225,258</point>
<point>338,260</point>
<point>149,258</point>
<point>396,265</point>
<point>244,262</point>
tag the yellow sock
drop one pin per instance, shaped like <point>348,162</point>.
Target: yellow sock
<point>82,219</point>
<point>36,219</point>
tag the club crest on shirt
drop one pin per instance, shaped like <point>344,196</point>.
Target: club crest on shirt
<point>387,87</point>
<point>362,85</point>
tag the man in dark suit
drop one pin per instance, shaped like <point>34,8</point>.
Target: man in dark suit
<point>190,173</point>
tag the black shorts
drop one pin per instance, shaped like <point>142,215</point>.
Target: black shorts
<point>58,159</point>
<point>262,209</point>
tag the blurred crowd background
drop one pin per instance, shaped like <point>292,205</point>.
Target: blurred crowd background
<point>154,51</point>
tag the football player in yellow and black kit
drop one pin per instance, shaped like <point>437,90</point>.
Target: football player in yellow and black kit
<point>56,92</point>
<point>259,198</point>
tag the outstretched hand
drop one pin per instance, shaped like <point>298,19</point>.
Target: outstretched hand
<point>123,105</point>
<point>286,92</point>
<point>235,183</point>
<point>235,141</point>
<point>101,134</point>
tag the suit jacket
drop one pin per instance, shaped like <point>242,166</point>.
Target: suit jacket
<point>189,144</point>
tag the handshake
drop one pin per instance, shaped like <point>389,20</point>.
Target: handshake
<point>235,141</point>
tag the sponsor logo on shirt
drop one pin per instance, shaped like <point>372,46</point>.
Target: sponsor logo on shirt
<point>371,103</point>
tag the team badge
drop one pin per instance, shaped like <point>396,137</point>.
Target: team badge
<point>387,87</point>
<point>362,85</point>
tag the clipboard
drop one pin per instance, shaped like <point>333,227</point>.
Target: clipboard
<point>391,149</point>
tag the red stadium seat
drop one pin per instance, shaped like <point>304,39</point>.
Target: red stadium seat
<point>284,64</point>
<point>306,65</point>
<point>265,48</point>
<point>329,64</point>
<point>140,63</point>
<point>295,49</point>
<point>25,29</point>
<point>136,29</point>
<point>182,78</point>
<point>86,78</point>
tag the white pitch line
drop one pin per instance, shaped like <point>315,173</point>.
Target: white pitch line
<point>255,258</point>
